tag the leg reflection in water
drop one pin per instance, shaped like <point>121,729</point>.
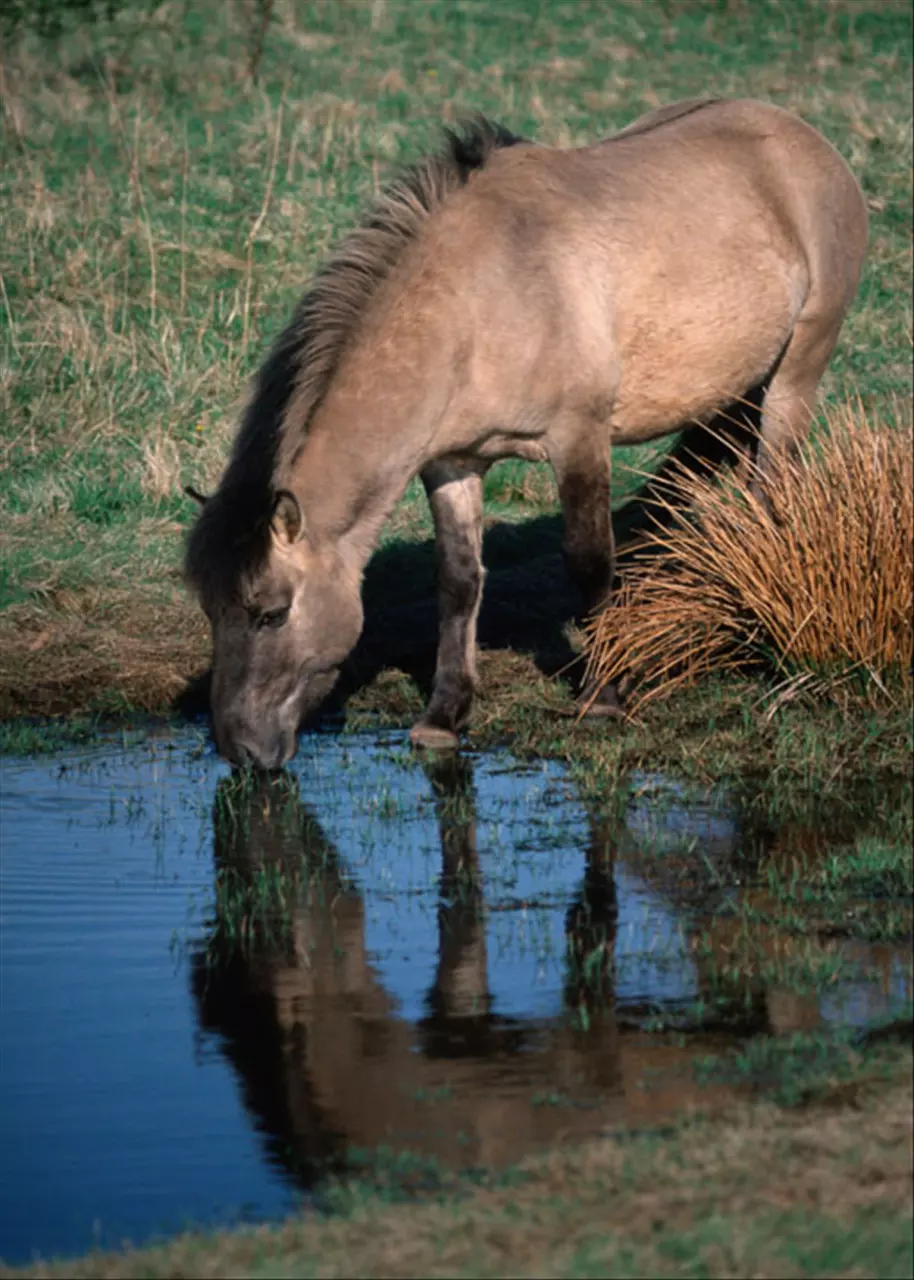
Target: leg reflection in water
<point>327,1062</point>
<point>590,971</point>
<point>458,1021</point>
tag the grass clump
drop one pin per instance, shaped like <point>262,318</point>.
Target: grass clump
<point>878,868</point>
<point>816,582</point>
<point>864,890</point>
<point>794,1069</point>
<point>33,738</point>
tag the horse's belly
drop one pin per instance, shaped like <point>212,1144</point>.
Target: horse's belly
<point>494,447</point>
<point>699,336</point>
<point>666,385</point>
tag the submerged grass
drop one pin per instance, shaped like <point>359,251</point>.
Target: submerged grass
<point>794,1069</point>
<point>863,890</point>
<point>270,857</point>
<point>25,738</point>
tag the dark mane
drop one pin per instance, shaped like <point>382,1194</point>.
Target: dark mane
<point>231,536</point>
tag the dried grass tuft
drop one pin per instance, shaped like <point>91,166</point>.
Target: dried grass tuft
<point>817,584</point>
<point>161,476</point>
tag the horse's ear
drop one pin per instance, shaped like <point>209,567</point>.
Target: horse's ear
<point>197,496</point>
<point>288,522</point>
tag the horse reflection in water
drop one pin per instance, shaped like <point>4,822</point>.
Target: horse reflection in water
<point>326,1061</point>
<point>329,1065</point>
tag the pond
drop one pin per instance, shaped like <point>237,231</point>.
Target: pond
<point>218,990</point>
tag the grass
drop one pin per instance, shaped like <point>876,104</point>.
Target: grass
<point>816,584</point>
<point>864,889</point>
<point>164,207</point>
<point>814,1191</point>
<point>270,857</point>
<point>794,1069</point>
<point>23,738</point>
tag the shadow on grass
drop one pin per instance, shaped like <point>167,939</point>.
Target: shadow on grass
<point>528,599</point>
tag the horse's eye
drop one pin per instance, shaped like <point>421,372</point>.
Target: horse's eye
<point>273,617</point>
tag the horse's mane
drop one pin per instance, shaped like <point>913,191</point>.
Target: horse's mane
<point>231,535</point>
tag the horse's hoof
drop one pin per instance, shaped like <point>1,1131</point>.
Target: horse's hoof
<point>607,705</point>
<point>433,738</point>
<point>604,711</point>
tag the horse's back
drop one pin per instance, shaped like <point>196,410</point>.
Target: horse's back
<point>768,154</point>
<point>730,159</point>
<point>675,257</point>
<point>745,186</point>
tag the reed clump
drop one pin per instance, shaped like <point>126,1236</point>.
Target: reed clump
<point>816,583</point>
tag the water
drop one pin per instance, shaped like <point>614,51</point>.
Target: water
<point>212,991</point>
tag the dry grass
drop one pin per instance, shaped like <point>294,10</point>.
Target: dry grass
<point>100,649</point>
<point>817,583</point>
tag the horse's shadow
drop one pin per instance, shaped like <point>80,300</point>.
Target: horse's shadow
<point>526,605</point>
<point>528,601</point>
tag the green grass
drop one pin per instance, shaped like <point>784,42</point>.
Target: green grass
<point>141,285</point>
<point>794,1069</point>
<point>863,890</point>
<point>44,737</point>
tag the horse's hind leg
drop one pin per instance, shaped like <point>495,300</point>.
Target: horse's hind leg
<point>582,470</point>
<point>790,397</point>
<point>455,497</point>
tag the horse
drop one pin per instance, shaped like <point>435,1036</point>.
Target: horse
<point>506,299</point>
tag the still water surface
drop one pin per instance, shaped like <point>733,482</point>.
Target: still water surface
<point>452,960</point>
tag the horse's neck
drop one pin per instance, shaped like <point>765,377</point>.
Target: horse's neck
<point>374,431</point>
<point>348,488</point>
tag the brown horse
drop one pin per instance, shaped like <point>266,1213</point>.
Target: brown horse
<point>511,300</point>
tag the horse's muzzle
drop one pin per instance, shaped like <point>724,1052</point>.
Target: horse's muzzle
<point>255,751</point>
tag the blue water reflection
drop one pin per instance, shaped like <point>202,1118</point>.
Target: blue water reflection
<point>152,1077</point>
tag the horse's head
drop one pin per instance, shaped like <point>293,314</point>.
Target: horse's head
<point>281,628</point>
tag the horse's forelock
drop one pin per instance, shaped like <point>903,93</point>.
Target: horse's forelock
<point>228,547</point>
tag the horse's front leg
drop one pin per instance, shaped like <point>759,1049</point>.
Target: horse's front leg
<point>461,988</point>
<point>581,462</point>
<point>455,497</point>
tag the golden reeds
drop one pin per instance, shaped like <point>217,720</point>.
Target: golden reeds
<point>816,584</point>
